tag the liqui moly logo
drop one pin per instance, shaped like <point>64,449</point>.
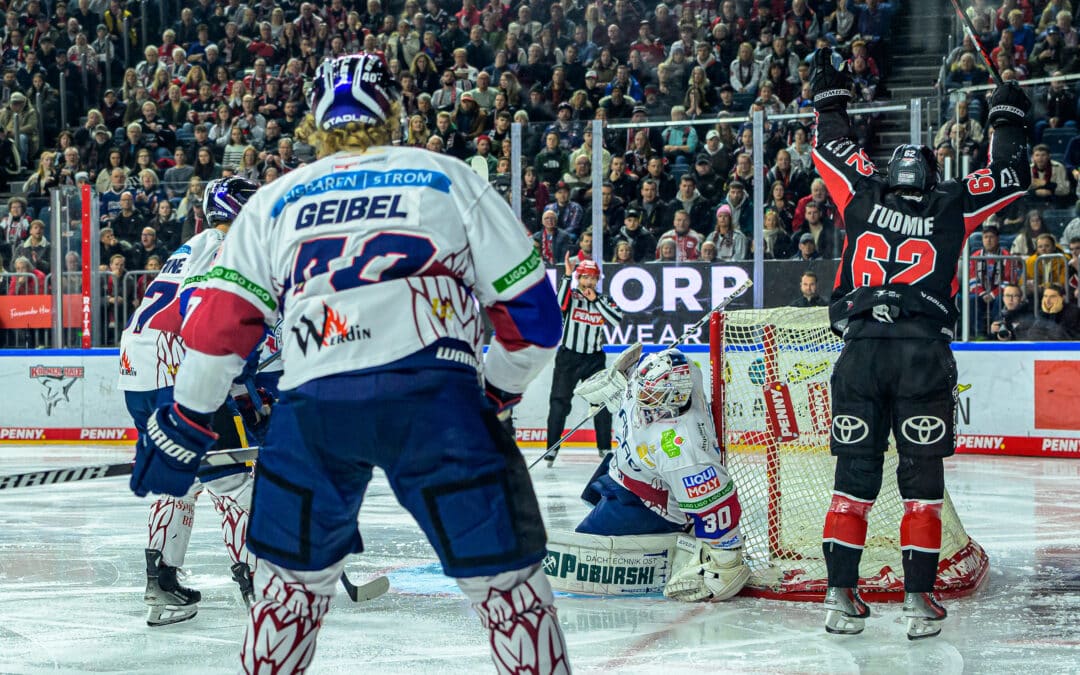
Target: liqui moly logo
<point>701,484</point>
<point>781,412</point>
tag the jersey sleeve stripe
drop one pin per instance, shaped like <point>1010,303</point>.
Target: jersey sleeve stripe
<point>974,219</point>
<point>530,319</point>
<point>205,332</point>
<point>840,189</point>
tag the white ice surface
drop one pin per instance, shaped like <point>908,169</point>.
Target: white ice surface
<point>71,582</point>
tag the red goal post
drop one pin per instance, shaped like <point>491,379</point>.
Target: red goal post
<point>770,402</point>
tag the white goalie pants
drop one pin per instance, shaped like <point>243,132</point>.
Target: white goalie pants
<point>172,518</point>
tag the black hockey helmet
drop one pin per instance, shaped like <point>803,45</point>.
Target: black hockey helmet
<point>913,167</point>
<point>224,197</point>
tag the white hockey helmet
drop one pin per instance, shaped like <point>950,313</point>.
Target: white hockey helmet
<point>664,382</point>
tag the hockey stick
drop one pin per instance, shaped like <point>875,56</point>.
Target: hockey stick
<point>213,460</point>
<point>969,28</point>
<point>270,359</point>
<point>367,591</point>
<point>691,330</point>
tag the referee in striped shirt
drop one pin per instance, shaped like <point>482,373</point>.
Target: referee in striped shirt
<point>581,352</point>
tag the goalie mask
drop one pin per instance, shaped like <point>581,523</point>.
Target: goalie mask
<point>913,167</point>
<point>664,383</point>
<point>356,88</point>
<point>224,198</point>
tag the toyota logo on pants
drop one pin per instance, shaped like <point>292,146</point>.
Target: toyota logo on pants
<point>923,429</point>
<point>849,429</point>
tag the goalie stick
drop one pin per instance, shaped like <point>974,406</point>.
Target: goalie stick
<point>554,449</point>
<point>366,591</point>
<point>213,460</point>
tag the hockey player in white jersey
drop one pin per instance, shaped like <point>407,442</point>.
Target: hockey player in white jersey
<point>151,352</point>
<point>379,260</point>
<point>665,475</point>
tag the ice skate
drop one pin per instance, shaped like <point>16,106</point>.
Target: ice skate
<point>244,578</point>
<point>169,601</point>
<point>550,456</point>
<point>924,615</point>
<point>846,612</point>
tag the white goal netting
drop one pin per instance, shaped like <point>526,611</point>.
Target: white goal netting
<point>771,371</point>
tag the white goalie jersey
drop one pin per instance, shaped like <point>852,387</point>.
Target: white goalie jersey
<point>376,259</point>
<point>150,346</point>
<point>673,466</point>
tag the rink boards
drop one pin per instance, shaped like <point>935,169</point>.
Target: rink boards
<point>1014,398</point>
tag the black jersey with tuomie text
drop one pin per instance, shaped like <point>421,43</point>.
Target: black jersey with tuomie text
<point>897,275</point>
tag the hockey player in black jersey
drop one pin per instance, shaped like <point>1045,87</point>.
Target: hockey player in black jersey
<point>893,304</point>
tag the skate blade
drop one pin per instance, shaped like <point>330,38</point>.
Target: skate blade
<point>920,628</point>
<point>165,615</point>
<point>838,623</point>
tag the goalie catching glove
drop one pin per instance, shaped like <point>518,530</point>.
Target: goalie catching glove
<point>713,574</point>
<point>606,388</point>
<point>167,456</point>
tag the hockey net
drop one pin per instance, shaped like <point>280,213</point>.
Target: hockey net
<point>770,389</point>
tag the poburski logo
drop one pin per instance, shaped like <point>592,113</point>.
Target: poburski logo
<point>923,429</point>
<point>519,272</point>
<point>57,382</point>
<point>606,567</point>
<point>335,330</point>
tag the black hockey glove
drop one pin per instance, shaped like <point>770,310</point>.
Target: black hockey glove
<point>503,401</point>
<point>831,88</point>
<point>1009,106</point>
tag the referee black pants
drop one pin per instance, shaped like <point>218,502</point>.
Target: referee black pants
<point>570,368</point>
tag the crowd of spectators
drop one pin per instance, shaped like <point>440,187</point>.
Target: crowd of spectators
<point>155,109</point>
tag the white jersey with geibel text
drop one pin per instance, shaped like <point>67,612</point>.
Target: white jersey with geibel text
<point>374,259</point>
<point>150,347</point>
<point>673,466</point>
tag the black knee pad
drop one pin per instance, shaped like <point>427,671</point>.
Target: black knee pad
<point>859,476</point>
<point>921,477</point>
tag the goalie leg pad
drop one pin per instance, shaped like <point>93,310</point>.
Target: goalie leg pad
<point>603,565</point>
<point>710,574</point>
<point>231,496</point>
<point>169,526</point>
<point>282,627</point>
<point>517,609</point>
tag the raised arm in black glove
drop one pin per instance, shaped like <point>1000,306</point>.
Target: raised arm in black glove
<point>831,88</point>
<point>1009,106</point>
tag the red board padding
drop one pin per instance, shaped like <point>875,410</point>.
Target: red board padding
<point>1024,446</point>
<point>68,434</point>
<point>1057,387</point>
